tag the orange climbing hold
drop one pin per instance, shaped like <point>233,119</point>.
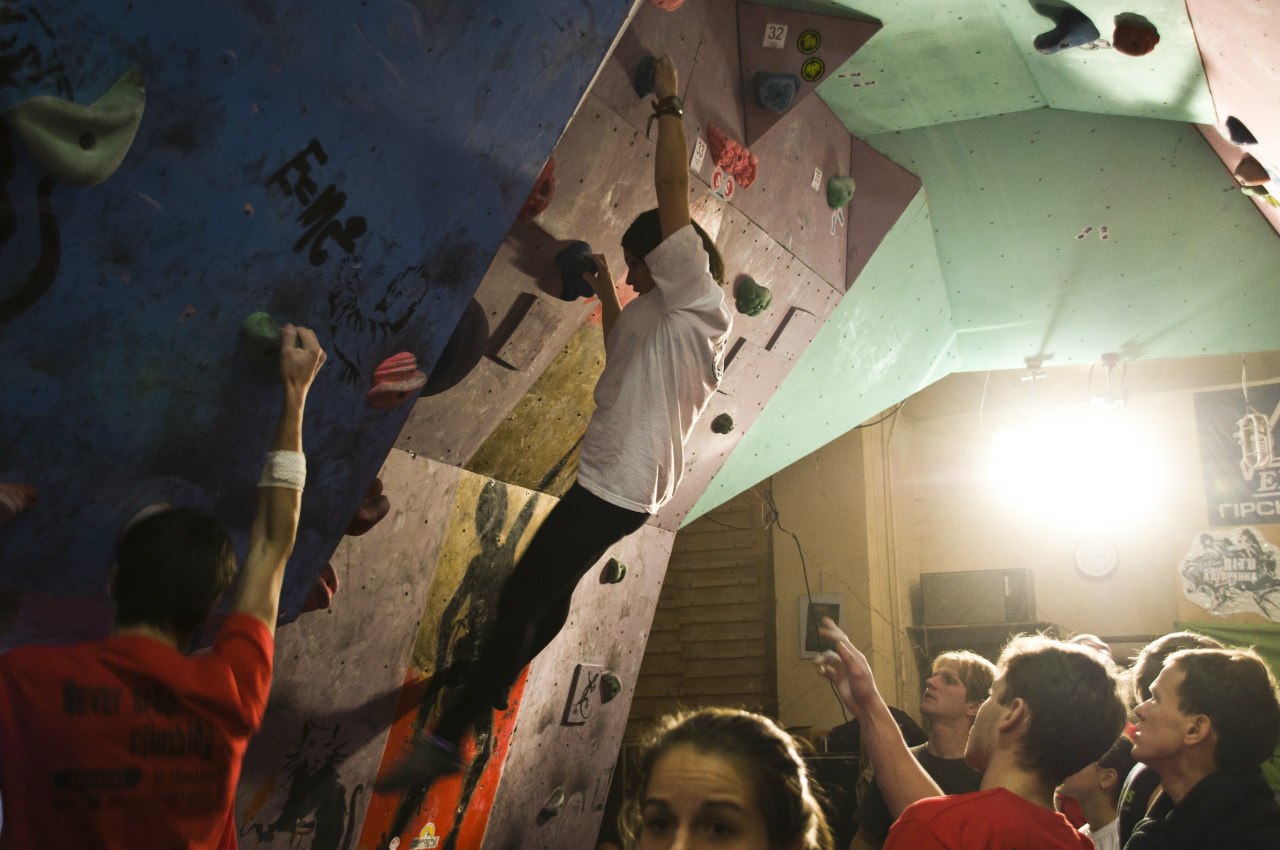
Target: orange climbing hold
<point>395,381</point>
<point>14,499</point>
<point>322,592</point>
<point>540,196</point>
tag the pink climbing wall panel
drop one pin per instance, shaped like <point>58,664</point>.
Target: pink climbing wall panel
<point>1240,46</point>
<point>807,45</point>
<point>884,191</point>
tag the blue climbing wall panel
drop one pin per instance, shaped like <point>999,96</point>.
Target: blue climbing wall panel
<point>349,167</point>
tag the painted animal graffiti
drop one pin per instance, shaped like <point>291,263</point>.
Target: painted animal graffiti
<point>317,804</point>
<point>361,318</point>
<point>463,626</point>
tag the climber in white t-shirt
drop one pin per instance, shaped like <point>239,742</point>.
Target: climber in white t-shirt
<point>663,359</point>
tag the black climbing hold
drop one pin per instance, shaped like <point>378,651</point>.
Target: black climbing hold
<point>572,262</point>
<point>1238,132</point>
<point>614,572</point>
<point>722,424</point>
<point>645,74</point>
<point>553,806</point>
<point>610,687</point>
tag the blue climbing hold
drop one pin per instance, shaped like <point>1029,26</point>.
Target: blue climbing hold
<point>644,78</point>
<point>1073,30</point>
<point>776,92</point>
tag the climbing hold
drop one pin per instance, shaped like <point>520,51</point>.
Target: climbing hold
<point>82,145</point>
<point>732,157</point>
<point>614,572</point>
<point>1073,29</point>
<point>646,72</point>
<point>572,262</point>
<point>1250,172</point>
<point>397,379</point>
<point>722,424</point>
<point>610,687</point>
<point>260,339</point>
<point>14,499</point>
<point>751,298</point>
<point>553,806</point>
<point>1256,191</point>
<point>1238,132</point>
<point>667,5</point>
<point>373,508</point>
<point>839,191</point>
<point>540,195</point>
<point>776,92</point>
<point>1134,38</point>
<point>322,592</point>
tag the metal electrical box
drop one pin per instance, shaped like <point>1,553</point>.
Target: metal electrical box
<point>976,597</point>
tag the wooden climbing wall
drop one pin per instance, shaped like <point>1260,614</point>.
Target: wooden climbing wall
<point>309,160</point>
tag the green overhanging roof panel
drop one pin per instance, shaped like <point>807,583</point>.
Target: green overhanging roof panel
<point>891,335</point>
<point>1188,268</point>
<point>1169,82</point>
<point>934,61</point>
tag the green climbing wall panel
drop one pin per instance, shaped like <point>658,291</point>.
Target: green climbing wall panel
<point>890,336</point>
<point>1188,268</point>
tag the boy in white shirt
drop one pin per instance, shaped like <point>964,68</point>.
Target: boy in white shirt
<point>1097,789</point>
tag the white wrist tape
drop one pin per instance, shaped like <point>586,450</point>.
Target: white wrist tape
<point>284,469</point>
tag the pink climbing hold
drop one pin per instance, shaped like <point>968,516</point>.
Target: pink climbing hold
<point>395,381</point>
<point>14,499</point>
<point>732,157</point>
<point>322,592</point>
<point>540,196</point>
<point>373,508</point>
<point>667,5</point>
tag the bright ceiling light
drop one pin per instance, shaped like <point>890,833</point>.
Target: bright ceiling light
<point>1091,471</point>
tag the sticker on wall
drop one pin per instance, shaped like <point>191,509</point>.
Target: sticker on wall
<point>808,41</point>
<point>812,70</point>
<point>775,36</point>
<point>699,154</point>
<point>583,694</point>
<point>1232,572</point>
<point>837,220</point>
<point>427,838</point>
<point>723,184</point>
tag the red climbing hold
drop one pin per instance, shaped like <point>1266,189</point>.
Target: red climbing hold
<point>14,499</point>
<point>667,5</point>
<point>1135,39</point>
<point>540,196</point>
<point>397,379</point>
<point>732,157</point>
<point>373,507</point>
<point>322,592</point>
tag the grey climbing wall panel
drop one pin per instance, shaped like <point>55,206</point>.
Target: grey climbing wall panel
<point>339,672</point>
<point>607,630</point>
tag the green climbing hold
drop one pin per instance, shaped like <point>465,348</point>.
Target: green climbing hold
<point>722,424</point>
<point>614,571</point>
<point>78,144</point>
<point>610,687</point>
<point>839,191</point>
<point>260,339</point>
<point>751,298</point>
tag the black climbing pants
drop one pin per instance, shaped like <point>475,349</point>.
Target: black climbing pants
<point>535,600</point>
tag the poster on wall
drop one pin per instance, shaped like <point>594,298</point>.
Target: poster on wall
<point>1232,572</point>
<point>1238,489</point>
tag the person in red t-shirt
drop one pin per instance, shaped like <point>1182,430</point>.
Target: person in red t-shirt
<point>1053,709</point>
<point>127,742</point>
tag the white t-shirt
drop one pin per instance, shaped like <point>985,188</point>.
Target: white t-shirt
<point>1107,838</point>
<point>663,360</point>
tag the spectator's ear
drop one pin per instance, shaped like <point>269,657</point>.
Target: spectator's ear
<point>971,709</point>
<point>1108,779</point>
<point>1199,729</point>
<point>1013,715</point>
